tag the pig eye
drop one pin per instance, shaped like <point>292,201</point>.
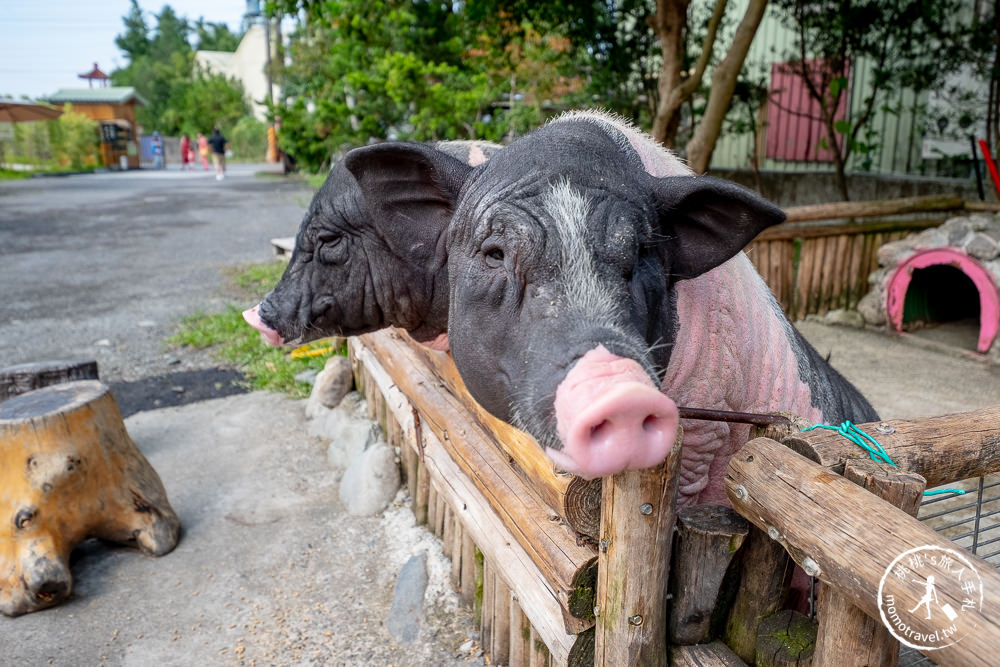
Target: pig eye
<point>494,257</point>
<point>23,518</point>
<point>331,249</point>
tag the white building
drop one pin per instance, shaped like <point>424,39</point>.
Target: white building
<point>247,65</point>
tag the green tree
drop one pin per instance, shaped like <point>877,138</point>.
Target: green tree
<point>161,68</point>
<point>215,36</point>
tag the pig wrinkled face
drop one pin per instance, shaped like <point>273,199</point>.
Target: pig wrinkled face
<point>347,276</point>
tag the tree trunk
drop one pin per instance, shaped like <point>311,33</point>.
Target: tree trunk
<point>668,23</point>
<point>699,150</point>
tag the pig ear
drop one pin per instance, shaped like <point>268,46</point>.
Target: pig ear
<point>706,221</point>
<point>410,190</point>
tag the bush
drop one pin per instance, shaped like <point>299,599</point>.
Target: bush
<point>71,141</point>
<point>249,139</point>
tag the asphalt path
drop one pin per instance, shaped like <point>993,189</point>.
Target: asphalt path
<point>104,266</point>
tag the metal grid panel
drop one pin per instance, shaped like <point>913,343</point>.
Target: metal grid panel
<point>971,521</point>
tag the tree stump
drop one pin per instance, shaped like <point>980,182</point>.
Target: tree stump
<point>15,380</point>
<point>786,639</point>
<point>708,536</point>
<point>69,471</point>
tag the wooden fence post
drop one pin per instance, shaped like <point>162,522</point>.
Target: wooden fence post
<point>848,636</point>
<point>637,521</point>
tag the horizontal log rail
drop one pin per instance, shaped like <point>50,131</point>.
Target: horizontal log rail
<point>869,209</point>
<point>575,499</point>
<point>849,538</point>
<point>943,449</point>
<point>568,566</point>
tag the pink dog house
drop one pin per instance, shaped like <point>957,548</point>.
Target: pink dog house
<point>989,300</point>
<point>947,273</point>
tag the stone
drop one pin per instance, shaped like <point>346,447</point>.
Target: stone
<point>370,483</point>
<point>333,383</point>
<point>843,317</point>
<point>406,612</point>
<point>982,246</point>
<point>306,376</point>
<point>349,432</point>
<point>870,308</point>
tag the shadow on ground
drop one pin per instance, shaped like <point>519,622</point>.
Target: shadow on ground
<point>176,389</point>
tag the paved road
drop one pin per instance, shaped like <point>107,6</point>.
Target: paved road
<point>103,266</point>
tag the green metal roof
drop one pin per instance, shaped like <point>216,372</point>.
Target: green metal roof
<point>111,95</point>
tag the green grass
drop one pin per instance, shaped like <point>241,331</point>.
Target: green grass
<point>316,180</point>
<point>13,174</point>
<point>232,340</point>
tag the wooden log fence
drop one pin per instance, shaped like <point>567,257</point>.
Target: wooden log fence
<point>547,593</point>
<point>814,268</point>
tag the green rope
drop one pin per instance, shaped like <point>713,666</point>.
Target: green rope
<point>875,449</point>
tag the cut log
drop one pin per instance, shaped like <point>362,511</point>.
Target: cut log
<point>869,550</point>
<point>766,577</point>
<point>942,449</point>
<point>786,639</point>
<point>637,522</point>
<point>415,368</point>
<point>715,654</point>
<point>553,547</point>
<point>870,209</point>
<point>70,471</point>
<point>848,636</point>
<point>708,536</point>
<point>15,380</point>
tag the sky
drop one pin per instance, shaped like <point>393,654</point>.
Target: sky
<point>47,43</point>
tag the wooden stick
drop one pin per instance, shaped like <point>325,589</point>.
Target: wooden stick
<point>447,535</point>
<point>942,449</point>
<point>637,520</point>
<point>486,613</point>
<point>520,636</point>
<point>708,536</point>
<point>423,489</point>
<point>432,507</point>
<point>456,555</point>
<point>539,652</point>
<point>500,644</point>
<point>468,590</point>
<point>848,538</point>
<point>715,654</point>
<point>846,635</point>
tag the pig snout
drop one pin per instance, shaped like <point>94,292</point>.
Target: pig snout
<point>252,316</point>
<point>610,417</point>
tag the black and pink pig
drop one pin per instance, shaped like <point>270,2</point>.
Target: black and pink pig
<point>594,285</point>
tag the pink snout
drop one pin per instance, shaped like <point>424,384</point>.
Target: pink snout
<point>610,417</point>
<point>252,316</point>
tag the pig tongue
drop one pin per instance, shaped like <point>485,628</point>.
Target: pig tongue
<point>610,417</point>
<point>267,333</point>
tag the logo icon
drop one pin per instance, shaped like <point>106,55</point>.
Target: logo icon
<point>929,597</point>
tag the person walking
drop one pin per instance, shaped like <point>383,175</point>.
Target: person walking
<point>156,146</point>
<point>203,150</point>
<point>187,154</point>
<point>219,145</point>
